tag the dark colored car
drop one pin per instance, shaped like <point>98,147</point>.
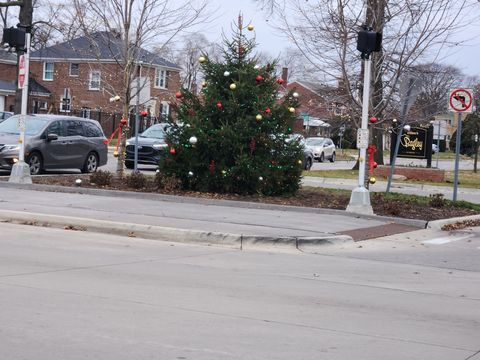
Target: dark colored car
<point>54,142</point>
<point>151,144</point>
<point>307,152</point>
<point>5,115</point>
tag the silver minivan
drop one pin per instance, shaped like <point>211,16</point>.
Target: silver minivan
<point>54,142</point>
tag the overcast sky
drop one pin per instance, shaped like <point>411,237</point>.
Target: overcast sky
<point>466,57</point>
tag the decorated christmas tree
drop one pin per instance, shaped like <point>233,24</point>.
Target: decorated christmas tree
<point>235,136</point>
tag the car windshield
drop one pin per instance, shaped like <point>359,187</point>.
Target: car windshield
<point>315,141</point>
<point>32,125</point>
<point>154,131</point>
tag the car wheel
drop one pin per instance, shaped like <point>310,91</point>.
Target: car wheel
<point>308,164</point>
<point>322,157</point>
<point>129,164</point>
<point>91,163</point>
<point>332,159</point>
<point>35,162</point>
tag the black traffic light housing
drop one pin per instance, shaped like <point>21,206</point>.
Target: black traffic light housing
<point>368,41</point>
<point>14,38</point>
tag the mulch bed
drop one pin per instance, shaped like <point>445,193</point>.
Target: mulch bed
<point>315,198</point>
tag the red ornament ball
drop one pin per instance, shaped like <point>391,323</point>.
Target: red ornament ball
<point>173,151</point>
<point>123,121</point>
<point>144,113</point>
<point>178,94</point>
<point>268,111</point>
<point>375,165</point>
<point>373,119</point>
<point>280,81</point>
<point>259,78</point>
<point>219,105</point>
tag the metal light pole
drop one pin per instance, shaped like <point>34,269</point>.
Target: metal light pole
<point>438,142</point>
<point>368,41</point>
<point>457,155</point>
<point>21,171</point>
<point>137,119</point>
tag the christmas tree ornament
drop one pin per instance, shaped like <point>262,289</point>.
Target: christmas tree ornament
<point>295,95</point>
<point>291,109</point>
<point>256,67</point>
<point>259,117</point>
<point>211,167</point>
<point>173,151</point>
<point>299,162</point>
<point>373,119</point>
<point>250,27</point>
<point>202,59</point>
<point>260,178</point>
<point>407,127</point>
<point>124,121</point>
<point>372,180</point>
<point>78,182</point>
<point>144,113</point>
<point>193,140</point>
<point>219,105</point>
<point>268,111</point>
<point>115,153</point>
<point>178,94</point>
<point>233,86</point>
<point>226,73</point>
<point>280,81</point>
<point>204,84</point>
<point>190,173</point>
<point>224,172</point>
<point>259,78</point>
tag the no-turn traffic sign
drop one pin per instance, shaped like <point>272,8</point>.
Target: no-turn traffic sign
<point>461,100</point>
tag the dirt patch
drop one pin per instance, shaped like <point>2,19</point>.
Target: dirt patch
<point>308,197</point>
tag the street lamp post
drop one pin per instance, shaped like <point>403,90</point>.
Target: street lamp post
<point>368,42</point>
<point>20,170</point>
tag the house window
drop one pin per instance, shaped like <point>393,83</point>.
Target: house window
<point>48,71</point>
<point>74,69</point>
<point>65,101</point>
<point>94,83</point>
<point>161,78</point>
<point>164,111</point>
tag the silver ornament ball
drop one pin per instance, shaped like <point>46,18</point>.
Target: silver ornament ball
<point>193,140</point>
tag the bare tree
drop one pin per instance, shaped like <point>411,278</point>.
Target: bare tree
<point>325,32</point>
<point>133,25</point>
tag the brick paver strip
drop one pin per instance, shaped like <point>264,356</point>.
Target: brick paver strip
<point>378,231</point>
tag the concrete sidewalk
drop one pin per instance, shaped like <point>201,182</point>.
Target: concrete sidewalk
<point>185,219</point>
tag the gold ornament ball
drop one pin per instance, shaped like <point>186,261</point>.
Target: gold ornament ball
<point>202,59</point>
<point>204,84</point>
<point>258,117</point>
<point>115,153</point>
<point>372,180</point>
<point>233,86</point>
<point>291,109</point>
<point>250,27</point>
<point>299,162</point>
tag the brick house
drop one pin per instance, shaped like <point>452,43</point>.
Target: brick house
<point>321,109</point>
<point>84,74</point>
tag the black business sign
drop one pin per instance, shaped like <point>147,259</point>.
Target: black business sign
<point>415,143</point>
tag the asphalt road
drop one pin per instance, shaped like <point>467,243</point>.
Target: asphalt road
<point>76,295</point>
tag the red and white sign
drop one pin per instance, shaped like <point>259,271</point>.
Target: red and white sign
<point>21,72</point>
<point>461,100</point>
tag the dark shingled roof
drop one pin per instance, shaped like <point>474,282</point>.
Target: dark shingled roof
<point>6,56</point>
<point>8,86</point>
<point>98,46</point>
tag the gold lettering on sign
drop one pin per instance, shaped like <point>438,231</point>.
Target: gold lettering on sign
<point>411,143</point>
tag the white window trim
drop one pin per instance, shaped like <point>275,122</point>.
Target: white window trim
<point>70,70</point>
<point>44,70</point>
<point>165,109</point>
<point>99,80</point>
<point>157,81</point>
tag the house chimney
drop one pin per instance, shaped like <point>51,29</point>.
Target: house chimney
<point>285,76</point>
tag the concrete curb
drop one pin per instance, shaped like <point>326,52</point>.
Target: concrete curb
<point>153,232</point>
<point>204,201</point>
<point>438,224</point>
